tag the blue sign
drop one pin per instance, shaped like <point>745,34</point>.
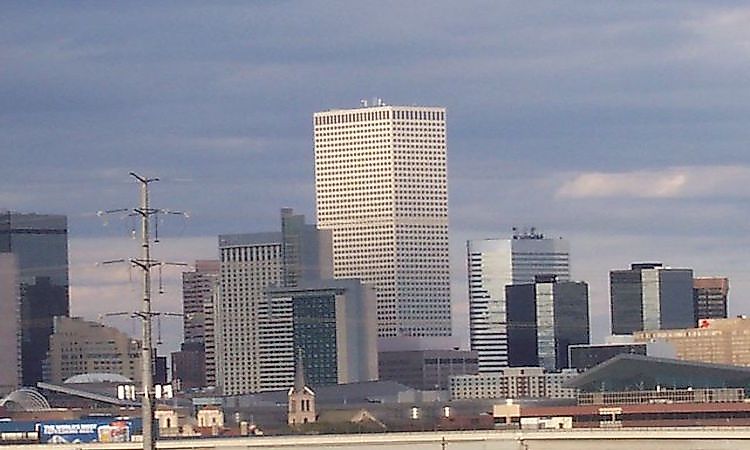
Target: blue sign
<point>105,429</point>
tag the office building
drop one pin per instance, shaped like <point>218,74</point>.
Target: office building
<point>718,341</point>
<point>330,325</point>
<point>494,264</point>
<point>189,367</point>
<point>710,297</point>
<point>544,319</point>
<point>79,346</point>
<point>10,331</point>
<point>199,287</point>
<point>426,370</point>
<point>649,296</point>
<point>381,188</point>
<point>160,373</point>
<point>40,244</point>
<point>308,251</point>
<point>513,383</point>
<point>250,265</point>
<point>209,346</point>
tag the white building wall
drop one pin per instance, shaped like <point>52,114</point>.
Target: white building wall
<point>489,269</point>
<point>249,264</point>
<point>512,383</point>
<point>650,299</point>
<point>381,187</point>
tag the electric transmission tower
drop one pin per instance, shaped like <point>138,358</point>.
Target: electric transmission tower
<point>145,213</point>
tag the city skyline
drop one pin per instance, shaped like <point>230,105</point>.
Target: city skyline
<point>619,127</point>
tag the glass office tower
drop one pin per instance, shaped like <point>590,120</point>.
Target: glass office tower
<point>40,243</point>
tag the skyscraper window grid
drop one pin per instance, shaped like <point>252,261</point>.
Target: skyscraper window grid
<point>381,187</point>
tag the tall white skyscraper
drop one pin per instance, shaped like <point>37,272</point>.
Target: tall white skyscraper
<point>494,264</point>
<point>381,187</point>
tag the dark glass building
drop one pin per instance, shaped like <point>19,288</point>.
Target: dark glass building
<point>189,366</point>
<point>544,319</point>
<point>426,369</point>
<point>40,243</point>
<point>586,356</point>
<point>331,324</point>
<point>522,326</point>
<point>651,297</point>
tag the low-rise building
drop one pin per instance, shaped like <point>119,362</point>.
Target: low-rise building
<point>718,341</point>
<point>513,383</point>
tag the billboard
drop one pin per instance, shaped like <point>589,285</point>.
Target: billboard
<point>100,429</point>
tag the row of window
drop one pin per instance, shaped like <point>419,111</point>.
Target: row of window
<point>386,114</point>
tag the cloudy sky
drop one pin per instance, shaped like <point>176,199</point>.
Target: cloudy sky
<point>622,126</point>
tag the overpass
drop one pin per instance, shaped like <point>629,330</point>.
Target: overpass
<point>706,438</point>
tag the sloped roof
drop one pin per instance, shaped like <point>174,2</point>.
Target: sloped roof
<point>97,378</point>
<point>630,372</point>
<point>350,416</point>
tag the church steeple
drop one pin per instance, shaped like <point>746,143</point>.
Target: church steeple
<point>299,373</point>
<point>301,398</point>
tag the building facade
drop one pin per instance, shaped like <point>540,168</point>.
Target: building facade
<point>189,366</point>
<point>209,346</point>
<point>199,287</point>
<point>40,244</point>
<point>718,341</point>
<point>426,369</point>
<point>79,347</point>
<point>10,331</point>
<point>710,296</point>
<point>381,188</point>
<point>649,296</point>
<point>249,264</point>
<point>544,319</point>
<point>331,325</point>
<point>494,264</point>
<point>513,383</point>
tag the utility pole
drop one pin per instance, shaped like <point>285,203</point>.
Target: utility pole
<point>146,263</point>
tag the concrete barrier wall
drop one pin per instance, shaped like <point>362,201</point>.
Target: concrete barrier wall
<point>576,439</point>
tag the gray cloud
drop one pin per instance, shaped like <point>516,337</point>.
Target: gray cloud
<point>543,98</point>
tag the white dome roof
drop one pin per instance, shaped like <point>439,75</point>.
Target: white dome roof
<point>97,378</point>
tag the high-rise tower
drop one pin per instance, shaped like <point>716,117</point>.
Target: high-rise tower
<point>649,296</point>
<point>494,264</point>
<point>544,319</point>
<point>190,364</point>
<point>40,243</point>
<point>381,187</point>
<point>252,265</point>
